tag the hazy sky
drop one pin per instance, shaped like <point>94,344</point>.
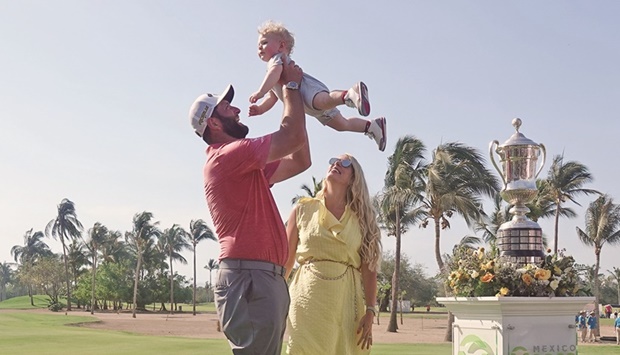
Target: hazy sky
<point>94,98</point>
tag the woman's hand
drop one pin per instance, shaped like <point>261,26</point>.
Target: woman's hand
<point>365,330</point>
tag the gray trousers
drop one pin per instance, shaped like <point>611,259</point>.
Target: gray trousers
<point>252,303</point>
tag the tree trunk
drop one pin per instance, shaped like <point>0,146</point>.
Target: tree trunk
<point>597,330</point>
<point>92,294</point>
<point>135,283</point>
<point>194,297</point>
<point>393,324</point>
<point>438,246</point>
<point>171,286</point>
<point>64,253</point>
<point>209,291</point>
<point>448,336</point>
<point>555,230</point>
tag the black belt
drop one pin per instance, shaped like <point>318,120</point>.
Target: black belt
<point>252,265</point>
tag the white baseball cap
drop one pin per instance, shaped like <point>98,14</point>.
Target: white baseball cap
<point>203,107</point>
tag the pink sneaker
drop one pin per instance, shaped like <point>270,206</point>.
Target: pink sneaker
<point>357,97</point>
<point>378,132</point>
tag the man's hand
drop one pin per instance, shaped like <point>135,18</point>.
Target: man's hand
<point>290,72</point>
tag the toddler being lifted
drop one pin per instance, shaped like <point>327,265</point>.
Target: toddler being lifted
<point>275,44</point>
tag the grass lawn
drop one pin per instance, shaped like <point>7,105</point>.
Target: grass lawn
<point>34,333</point>
<point>23,302</point>
<point>41,333</point>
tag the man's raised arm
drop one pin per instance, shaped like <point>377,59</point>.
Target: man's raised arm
<point>292,133</point>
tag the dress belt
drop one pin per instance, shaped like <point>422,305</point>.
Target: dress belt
<point>241,264</point>
<point>349,266</point>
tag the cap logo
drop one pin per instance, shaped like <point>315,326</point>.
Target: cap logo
<point>202,115</point>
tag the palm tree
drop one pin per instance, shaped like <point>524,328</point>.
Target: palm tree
<point>173,242</point>
<point>199,231</point>
<point>141,238</point>
<point>456,180</point>
<point>489,225</point>
<point>602,227</point>
<point>311,192</point>
<point>98,234</point>
<point>113,248</point>
<point>212,264</point>
<point>67,227</point>
<point>77,255</point>
<point>616,276</point>
<point>543,206</point>
<point>565,182</point>
<point>34,248</point>
<point>6,276</point>
<point>403,186</point>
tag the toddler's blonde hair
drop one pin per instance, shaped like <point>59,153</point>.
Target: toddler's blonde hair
<point>278,29</point>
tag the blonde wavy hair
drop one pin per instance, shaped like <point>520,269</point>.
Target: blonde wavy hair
<point>358,199</point>
<point>278,29</point>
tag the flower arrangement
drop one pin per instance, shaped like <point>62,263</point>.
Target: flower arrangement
<point>476,273</point>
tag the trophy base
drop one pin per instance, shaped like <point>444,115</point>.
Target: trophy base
<point>521,245</point>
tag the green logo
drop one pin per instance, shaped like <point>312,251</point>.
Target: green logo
<point>472,344</point>
<point>519,350</point>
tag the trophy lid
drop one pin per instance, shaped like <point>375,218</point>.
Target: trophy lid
<point>518,138</point>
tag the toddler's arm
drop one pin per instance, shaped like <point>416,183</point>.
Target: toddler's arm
<point>265,105</point>
<point>271,79</point>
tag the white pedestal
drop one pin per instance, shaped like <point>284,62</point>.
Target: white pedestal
<point>514,325</point>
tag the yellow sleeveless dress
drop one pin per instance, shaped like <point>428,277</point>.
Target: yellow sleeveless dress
<point>327,298</point>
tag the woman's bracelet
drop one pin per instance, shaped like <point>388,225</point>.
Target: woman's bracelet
<point>372,309</point>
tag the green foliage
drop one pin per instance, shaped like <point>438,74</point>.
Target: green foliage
<point>55,306</point>
<point>419,288</point>
<point>48,275</point>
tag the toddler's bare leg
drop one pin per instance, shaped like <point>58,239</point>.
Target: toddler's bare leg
<point>351,124</point>
<point>328,100</point>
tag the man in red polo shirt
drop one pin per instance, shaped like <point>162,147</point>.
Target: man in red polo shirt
<point>251,294</point>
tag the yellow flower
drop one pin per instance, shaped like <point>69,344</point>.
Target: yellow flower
<point>488,266</point>
<point>481,253</point>
<point>527,279</point>
<point>502,291</point>
<point>542,274</point>
<point>474,274</point>
<point>554,284</point>
<point>487,278</point>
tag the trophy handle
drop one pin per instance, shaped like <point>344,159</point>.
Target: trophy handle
<point>544,157</point>
<point>491,146</point>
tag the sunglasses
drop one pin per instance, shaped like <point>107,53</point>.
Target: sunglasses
<point>345,163</point>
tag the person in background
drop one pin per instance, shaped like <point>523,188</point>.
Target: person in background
<point>591,323</point>
<point>581,326</point>
<point>336,241</point>
<point>617,329</point>
<point>608,311</point>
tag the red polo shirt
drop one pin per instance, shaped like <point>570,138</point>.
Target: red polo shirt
<point>244,213</point>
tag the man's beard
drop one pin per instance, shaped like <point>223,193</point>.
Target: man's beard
<point>234,128</point>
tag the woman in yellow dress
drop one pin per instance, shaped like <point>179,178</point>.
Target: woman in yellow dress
<point>337,243</point>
